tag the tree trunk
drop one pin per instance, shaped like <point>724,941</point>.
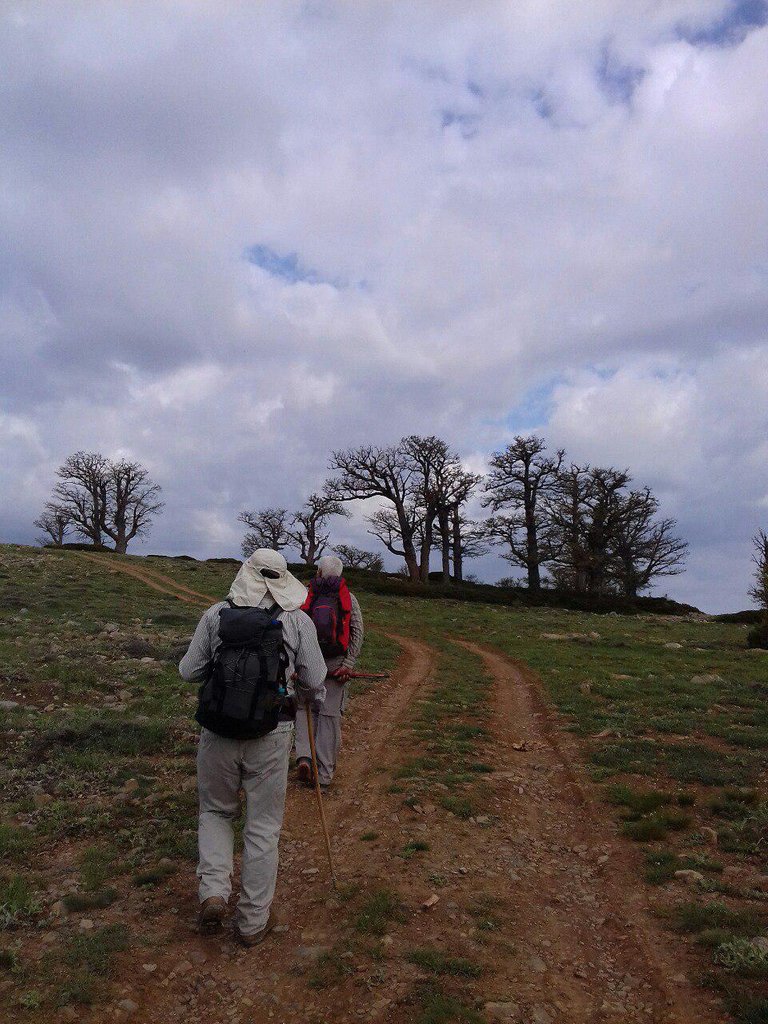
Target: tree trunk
<point>458,558</point>
<point>445,543</point>
<point>426,548</point>
<point>532,551</point>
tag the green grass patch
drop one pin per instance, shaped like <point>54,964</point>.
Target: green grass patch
<point>741,956</point>
<point>79,901</point>
<point>693,918</point>
<point>97,864</point>
<point>15,843</point>
<point>18,901</point>
<point>91,960</point>
<point>437,1007</point>
<point>435,962</point>
<point>154,875</point>
<point>378,910</point>
<point>413,847</point>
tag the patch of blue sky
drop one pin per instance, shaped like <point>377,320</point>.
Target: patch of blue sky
<point>531,413</point>
<point>542,104</point>
<point>289,267</point>
<point>468,124</point>
<point>617,79</point>
<point>739,19</point>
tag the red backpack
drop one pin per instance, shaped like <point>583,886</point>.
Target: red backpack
<point>329,605</point>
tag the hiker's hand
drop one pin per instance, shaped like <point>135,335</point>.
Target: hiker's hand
<point>341,675</point>
<point>316,706</point>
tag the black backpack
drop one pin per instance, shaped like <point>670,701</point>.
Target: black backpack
<point>245,689</point>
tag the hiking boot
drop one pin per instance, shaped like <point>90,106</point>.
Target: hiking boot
<point>212,913</point>
<point>257,937</point>
<point>304,772</point>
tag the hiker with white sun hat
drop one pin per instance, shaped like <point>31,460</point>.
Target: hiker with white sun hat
<point>250,652</point>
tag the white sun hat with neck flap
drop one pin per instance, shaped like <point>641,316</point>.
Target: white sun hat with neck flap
<point>266,572</point>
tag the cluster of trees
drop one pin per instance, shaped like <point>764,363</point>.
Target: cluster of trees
<point>578,527</point>
<point>99,499</point>
<point>584,527</point>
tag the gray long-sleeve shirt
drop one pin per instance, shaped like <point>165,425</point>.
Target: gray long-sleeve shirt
<point>299,638</point>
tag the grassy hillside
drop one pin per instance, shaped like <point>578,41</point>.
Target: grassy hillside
<point>98,772</point>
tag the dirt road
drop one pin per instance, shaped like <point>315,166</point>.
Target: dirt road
<point>572,940</point>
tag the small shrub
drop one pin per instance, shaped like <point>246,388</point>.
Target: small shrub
<point>636,801</point>
<point>647,830</point>
<point>699,917</point>
<point>660,866</point>
<point>742,957</point>
<point>758,635</point>
<point>460,806</point>
<point>749,835</point>
<point>368,837</point>
<point>414,846</point>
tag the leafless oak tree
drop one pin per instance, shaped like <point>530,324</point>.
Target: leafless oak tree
<point>82,493</point>
<point>519,479</point>
<point>132,501</point>
<point>644,547</point>
<point>374,472</point>
<point>101,497</point>
<point>760,559</point>
<point>356,558</point>
<point>55,522</point>
<point>268,529</point>
<point>307,527</point>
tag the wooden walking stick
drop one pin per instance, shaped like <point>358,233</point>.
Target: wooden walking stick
<point>311,731</point>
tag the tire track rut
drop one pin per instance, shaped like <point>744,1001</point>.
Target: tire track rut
<point>598,957</point>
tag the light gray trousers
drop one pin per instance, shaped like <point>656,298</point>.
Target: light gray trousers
<point>326,725</point>
<point>260,768</point>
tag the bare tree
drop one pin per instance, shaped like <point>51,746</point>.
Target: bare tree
<point>469,539</point>
<point>268,529</point>
<point>760,559</point>
<point>437,483</point>
<point>132,502</point>
<point>55,522</point>
<point>584,513</point>
<point>306,530</point>
<point>373,472</point>
<point>385,525</point>
<point>452,525</point>
<point>644,547</point>
<point>356,558</point>
<point>103,497</point>
<point>520,477</point>
<point>82,493</point>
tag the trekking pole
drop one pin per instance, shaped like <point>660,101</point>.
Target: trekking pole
<point>311,731</point>
<point>367,675</point>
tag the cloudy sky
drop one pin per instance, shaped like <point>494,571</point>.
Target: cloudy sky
<point>236,236</point>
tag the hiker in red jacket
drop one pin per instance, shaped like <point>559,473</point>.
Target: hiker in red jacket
<point>339,623</point>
